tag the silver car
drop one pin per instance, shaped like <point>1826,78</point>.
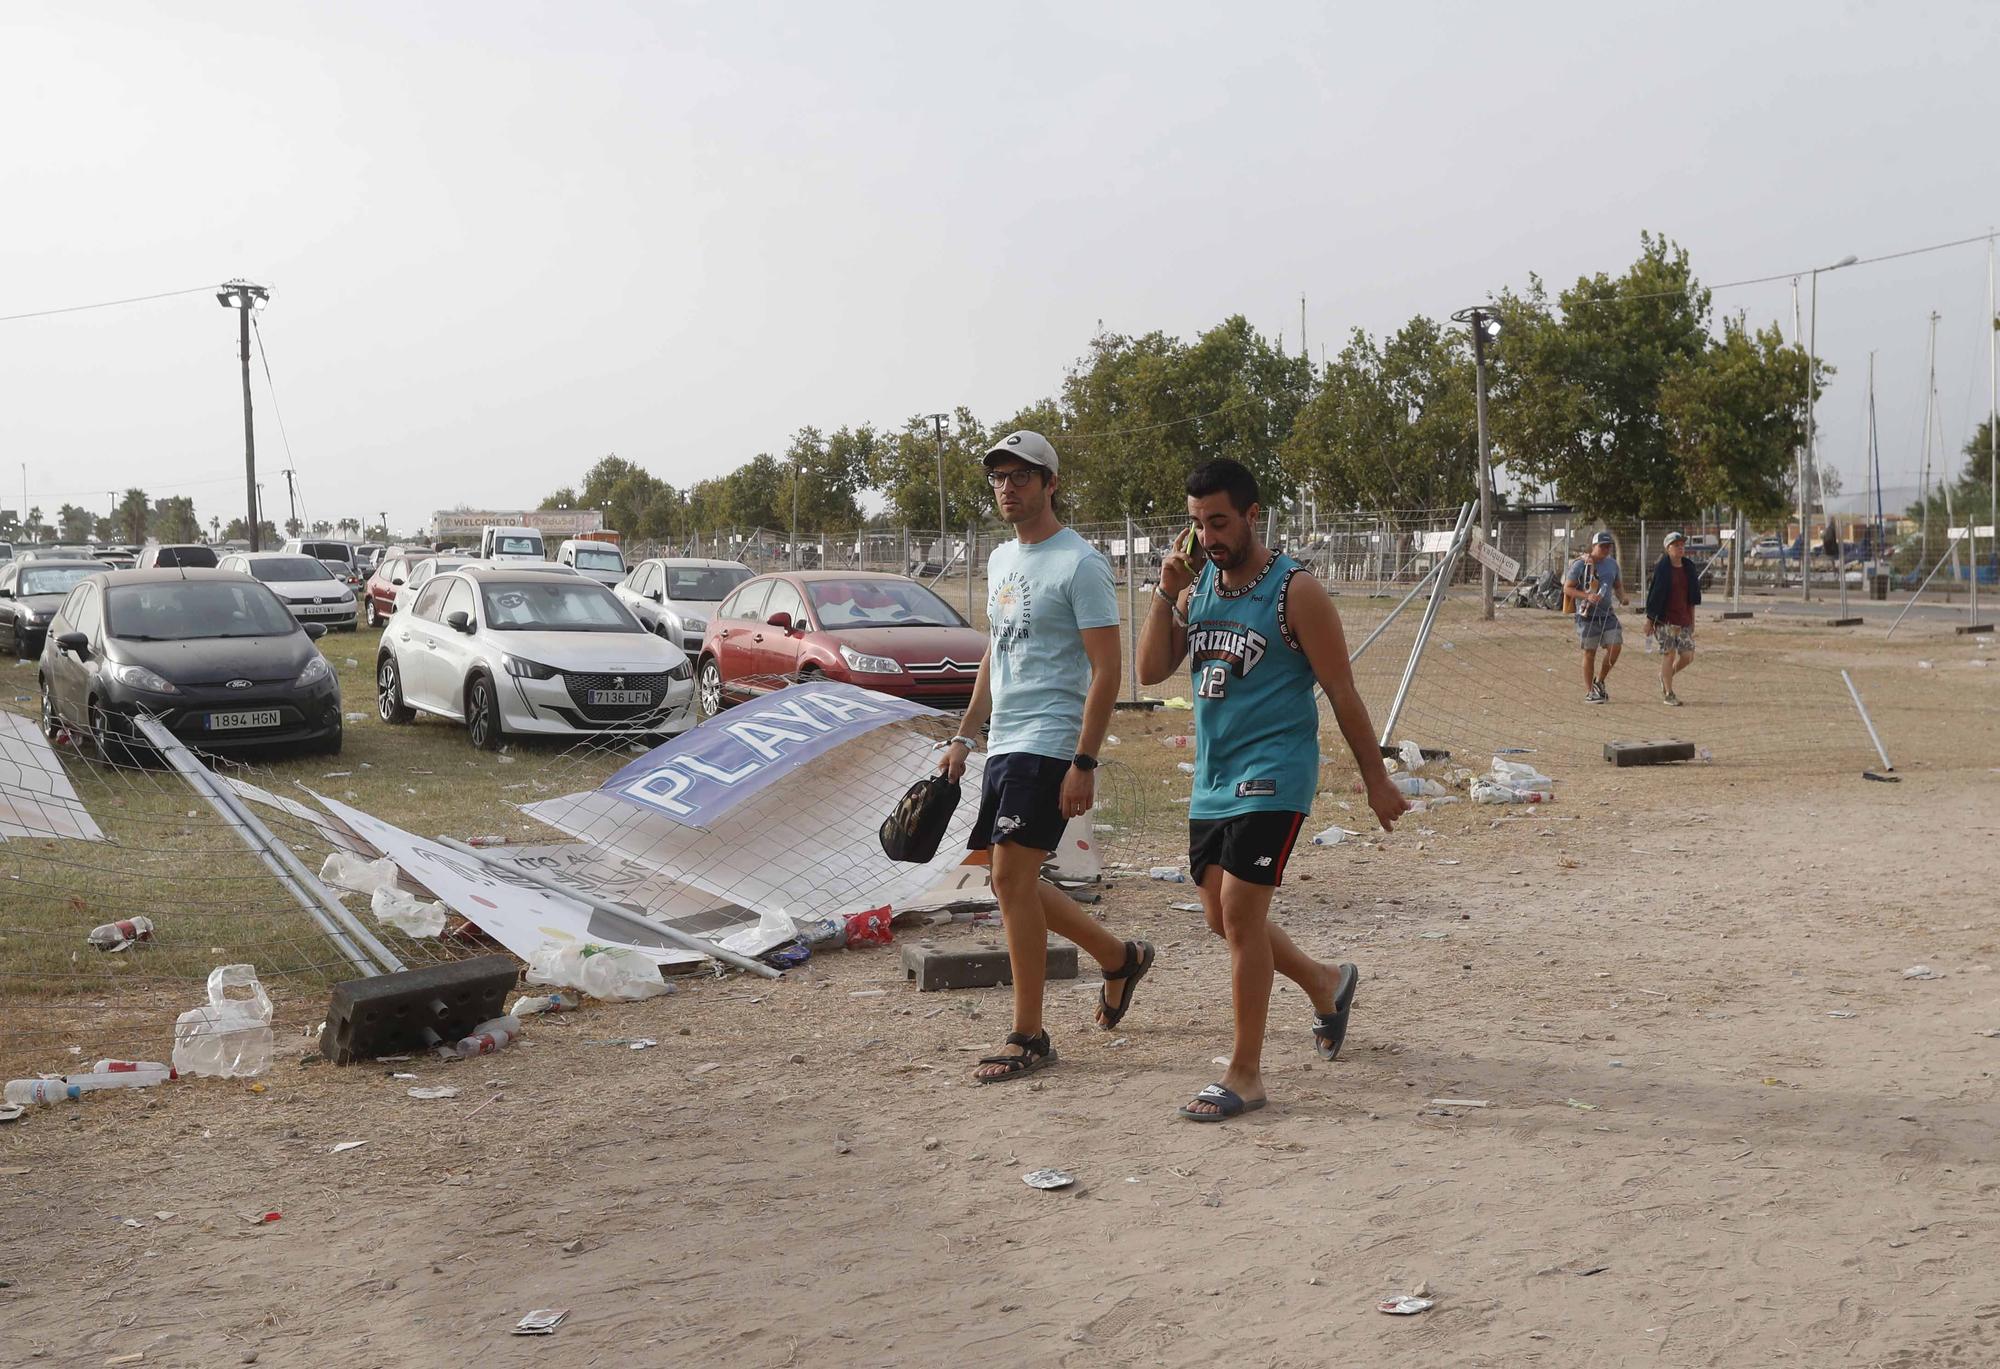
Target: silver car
<point>676,596</point>
<point>511,649</point>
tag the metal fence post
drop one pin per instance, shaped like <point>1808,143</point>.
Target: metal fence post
<point>971,551</point>
<point>1644,569</point>
<point>906,548</point>
<point>1131,609</point>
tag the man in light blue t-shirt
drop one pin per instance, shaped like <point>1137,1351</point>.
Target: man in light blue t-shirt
<point>1048,680</point>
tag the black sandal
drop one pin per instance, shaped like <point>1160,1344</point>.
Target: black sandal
<point>1036,1053</point>
<point>1330,1028</point>
<point>1138,960</point>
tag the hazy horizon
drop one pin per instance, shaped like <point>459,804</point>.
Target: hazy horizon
<point>506,239</point>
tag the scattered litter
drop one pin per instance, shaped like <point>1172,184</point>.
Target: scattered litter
<point>1185,767</point>
<point>1458,1102</point>
<point>357,717</point>
<point>1921,972</point>
<point>870,927</point>
<point>1405,1305</point>
<point>1185,907</point>
<point>543,1321</point>
<point>867,993</point>
<point>618,974</point>
<point>1047,1178</point>
<point>1110,740</point>
<point>394,907</point>
<point>116,936</point>
<point>1417,787</point>
<point>404,1076</point>
<point>1171,874</point>
<point>350,1145</point>
<point>1581,1107</point>
<point>1448,862</point>
<point>644,1043</point>
<point>1433,936</point>
<point>230,1035</point>
<point>265,1218</point>
<point>337,774</point>
<point>1411,755</point>
<point>526,1006</point>
<point>1333,836</point>
<point>11,1111</point>
<point>1179,703</point>
<point>441,1091</point>
<point>1220,1060</point>
<point>488,1037</point>
<point>349,871</point>
<point>1840,1012</point>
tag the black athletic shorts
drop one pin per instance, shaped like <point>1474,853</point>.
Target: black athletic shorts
<point>1251,846</point>
<point>1020,801</point>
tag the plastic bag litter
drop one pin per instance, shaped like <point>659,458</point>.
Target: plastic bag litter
<point>230,1035</point>
<point>349,871</point>
<point>1519,775</point>
<point>869,927</point>
<point>406,913</point>
<point>617,974</point>
<point>1412,755</point>
<point>774,928</point>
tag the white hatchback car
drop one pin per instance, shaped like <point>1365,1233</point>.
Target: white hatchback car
<point>676,596</point>
<point>514,649</point>
<point>311,591</point>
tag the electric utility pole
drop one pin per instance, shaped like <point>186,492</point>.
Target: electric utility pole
<point>242,296</point>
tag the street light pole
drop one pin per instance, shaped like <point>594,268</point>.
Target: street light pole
<point>937,423</point>
<point>242,296</point>
<point>1477,320</point>
<point>1806,466</point>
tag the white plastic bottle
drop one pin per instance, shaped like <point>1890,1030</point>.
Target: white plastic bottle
<point>31,1091</point>
<point>488,1037</point>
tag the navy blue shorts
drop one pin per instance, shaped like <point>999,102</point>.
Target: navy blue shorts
<point>1020,801</point>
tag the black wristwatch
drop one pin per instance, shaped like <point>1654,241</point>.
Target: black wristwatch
<point>1083,762</point>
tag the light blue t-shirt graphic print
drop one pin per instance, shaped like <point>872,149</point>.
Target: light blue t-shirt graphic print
<point>1039,598</point>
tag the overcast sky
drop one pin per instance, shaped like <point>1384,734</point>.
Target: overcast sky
<point>506,238</point>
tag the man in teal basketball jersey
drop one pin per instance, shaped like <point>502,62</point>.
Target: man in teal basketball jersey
<point>1259,632</point>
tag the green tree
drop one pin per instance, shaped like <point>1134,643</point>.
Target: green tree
<point>75,524</point>
<point>1576,387</point>
<point>904,468</point>
<point>133,513</point>
<point>35,528</point>
<point>1735,422</point>
<point>1391,425</point>
<point>752,494</point>
<point>708,505</point>
<point>267,532</point>
<point>173,520</point>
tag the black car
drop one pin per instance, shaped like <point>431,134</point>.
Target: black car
<point>213,654</point>
<point>30,594</point>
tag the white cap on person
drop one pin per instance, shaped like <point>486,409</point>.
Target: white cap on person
<point>1032,448</point>
<point>1675,536</point>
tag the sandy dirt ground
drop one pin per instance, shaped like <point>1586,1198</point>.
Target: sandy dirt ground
<point>1722,1127</point>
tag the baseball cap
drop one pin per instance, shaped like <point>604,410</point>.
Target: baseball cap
<point>1604,539</point>
<point>1675,536</point>
<point>1032,448</point>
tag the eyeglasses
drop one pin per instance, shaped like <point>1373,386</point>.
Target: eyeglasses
<point>1018,477</point>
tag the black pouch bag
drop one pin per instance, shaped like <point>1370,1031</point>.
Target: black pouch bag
<point>913,831</point>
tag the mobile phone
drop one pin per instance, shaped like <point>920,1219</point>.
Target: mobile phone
<point>1184,544</point>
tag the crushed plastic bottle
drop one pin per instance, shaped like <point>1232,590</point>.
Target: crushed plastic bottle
<point>489,1037</point>
<point>1417,787</point>
<point>823,933</point>
<point>116,936</point>
<point>541,1003</point>
<point>617,974</point>
<point>1180,741</point>
<point>230,1035</point>
<point>1485,790</point>
<point>134,1067</point>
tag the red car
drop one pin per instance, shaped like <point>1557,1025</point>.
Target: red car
<point>882,632</point>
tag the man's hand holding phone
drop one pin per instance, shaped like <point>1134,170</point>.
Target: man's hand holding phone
<point>1179,567</point>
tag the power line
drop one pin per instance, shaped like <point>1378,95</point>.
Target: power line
<point>272,386</point>
<point>107,304</point>
<point>1791,275</point>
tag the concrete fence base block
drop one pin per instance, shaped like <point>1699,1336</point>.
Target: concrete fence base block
<point>1964,628</point>
<point>976,967</point>
<point>1739,613</point>
<point>1843,622</point>
<point>1648,753</point>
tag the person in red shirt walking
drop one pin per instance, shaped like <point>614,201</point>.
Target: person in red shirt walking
<point>1670,601</point>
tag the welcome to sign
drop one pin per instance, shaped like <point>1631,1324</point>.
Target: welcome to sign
<point>709,769</point>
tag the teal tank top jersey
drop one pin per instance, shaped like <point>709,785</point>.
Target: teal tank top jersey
<point>1255,718</point>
